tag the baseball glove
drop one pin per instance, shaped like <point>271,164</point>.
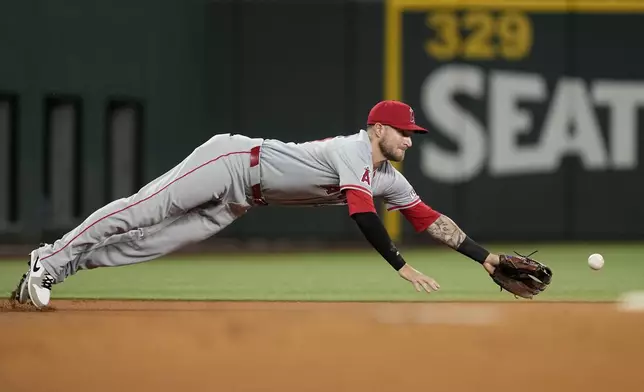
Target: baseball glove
<point>522,276</point>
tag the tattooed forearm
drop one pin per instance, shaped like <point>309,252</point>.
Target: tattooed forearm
<point>447,232</point>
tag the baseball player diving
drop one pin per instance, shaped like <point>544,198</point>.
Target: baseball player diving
<point>230,174</point>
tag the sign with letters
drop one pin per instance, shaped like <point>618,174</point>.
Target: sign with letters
<point>550,92</point>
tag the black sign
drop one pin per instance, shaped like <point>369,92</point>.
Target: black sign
<point>534,116</point>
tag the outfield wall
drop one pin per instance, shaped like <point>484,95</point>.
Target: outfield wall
<point>535,109</point>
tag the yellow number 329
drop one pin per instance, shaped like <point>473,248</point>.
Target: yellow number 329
<point>508,36</point>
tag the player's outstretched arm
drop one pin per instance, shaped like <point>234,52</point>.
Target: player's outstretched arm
<point>363,212</point>
<point>446,231</point>
<point>375,232</point>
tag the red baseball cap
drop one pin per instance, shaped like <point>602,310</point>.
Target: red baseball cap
<point>396,114</point>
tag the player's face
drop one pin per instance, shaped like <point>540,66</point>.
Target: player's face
<point>394,143</point>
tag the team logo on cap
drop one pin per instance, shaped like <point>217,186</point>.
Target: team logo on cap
<point>412,117</point>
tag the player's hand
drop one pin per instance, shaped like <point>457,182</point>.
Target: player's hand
<point>418,279</point>
<point>490,263</point>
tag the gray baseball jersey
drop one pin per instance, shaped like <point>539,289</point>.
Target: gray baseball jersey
<point>213,186</point>
<point>315,173</point>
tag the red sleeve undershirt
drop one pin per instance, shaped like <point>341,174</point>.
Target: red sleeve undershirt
<point>420,215</point>
<point>359,201</point>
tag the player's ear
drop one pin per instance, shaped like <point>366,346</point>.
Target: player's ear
<point>379,129</point>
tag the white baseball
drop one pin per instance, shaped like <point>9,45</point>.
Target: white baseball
<point>596,261</point>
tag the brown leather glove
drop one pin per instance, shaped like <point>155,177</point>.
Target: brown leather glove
<point>522,276</point>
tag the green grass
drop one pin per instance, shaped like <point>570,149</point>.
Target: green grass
<point>351,276</point>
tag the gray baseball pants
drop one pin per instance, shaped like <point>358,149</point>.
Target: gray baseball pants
<point>196,199</point>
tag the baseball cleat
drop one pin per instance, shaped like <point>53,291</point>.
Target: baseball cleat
<point>21,293</point>
<point>39,282</point>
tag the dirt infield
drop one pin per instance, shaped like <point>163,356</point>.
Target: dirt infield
<point>245,346</point>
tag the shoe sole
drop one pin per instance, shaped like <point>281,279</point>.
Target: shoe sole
<point>21,294</point>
